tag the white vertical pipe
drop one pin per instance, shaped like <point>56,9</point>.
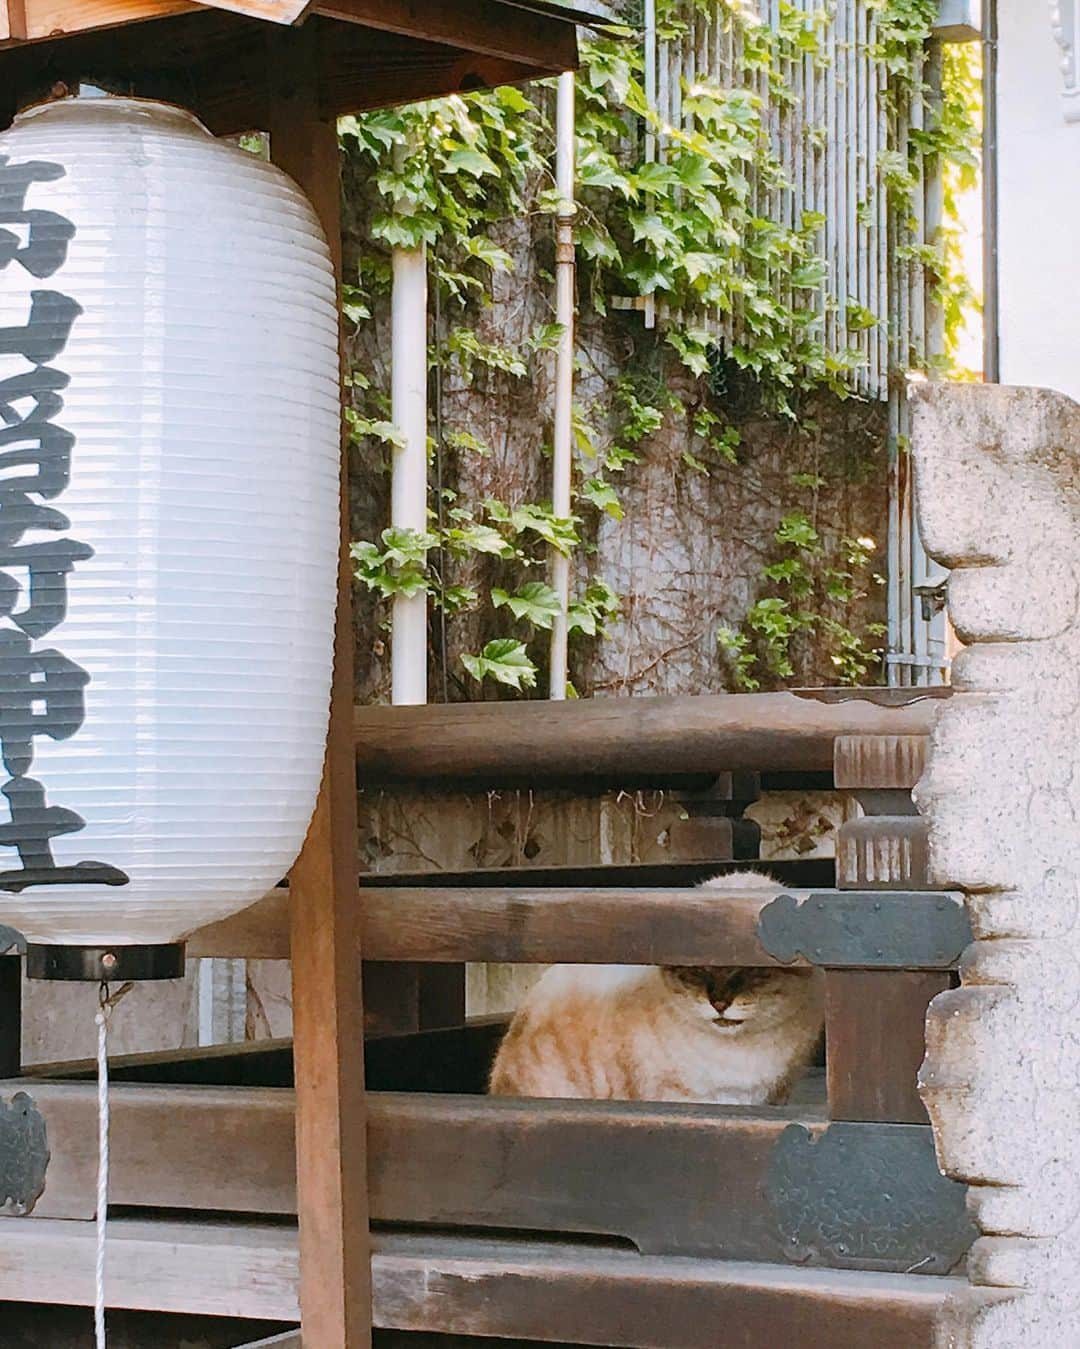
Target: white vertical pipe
<point>564,369</point>
<point>650,134</point>
<point>408,484</point>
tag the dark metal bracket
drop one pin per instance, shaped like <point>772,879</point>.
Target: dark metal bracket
<point>856,929</point>
<point>867,1196</point>
<point>24,1155</point>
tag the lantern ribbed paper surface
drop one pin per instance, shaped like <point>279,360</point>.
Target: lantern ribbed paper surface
<point>169,449</point>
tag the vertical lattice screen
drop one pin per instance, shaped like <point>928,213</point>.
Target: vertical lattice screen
<point>839,134</point>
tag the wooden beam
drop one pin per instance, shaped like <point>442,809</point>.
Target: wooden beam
<point>215,63</point>
<point>631,918</point>
<point>10,1016</point>
<point>515,1290</point>
<point>875,1037</point>
<point>482,26</point>
<point>625,741</point>
<point>335,1288</point>
<point>679,1180</point>
<point>649,927</point>
<point>601,926</point>
<point>32,20</point>
<point>203,1268</point>
<point>12,21</point>
<point>521,1292</point>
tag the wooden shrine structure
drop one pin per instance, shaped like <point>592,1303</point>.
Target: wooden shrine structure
<point>267,1183</point>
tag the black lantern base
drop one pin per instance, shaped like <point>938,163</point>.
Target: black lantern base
<point>116,964</point>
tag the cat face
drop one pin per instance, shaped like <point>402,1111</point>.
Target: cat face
<point>746,1001</point>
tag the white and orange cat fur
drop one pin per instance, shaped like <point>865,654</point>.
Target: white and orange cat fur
<point>656,1033</point>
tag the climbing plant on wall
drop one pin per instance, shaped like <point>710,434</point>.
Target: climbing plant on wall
<point>686,233</point>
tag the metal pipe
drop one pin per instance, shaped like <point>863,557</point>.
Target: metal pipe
<point>408,483</point>
<point>564,370</point>
<point>650,133</point>
<point>991,335</point>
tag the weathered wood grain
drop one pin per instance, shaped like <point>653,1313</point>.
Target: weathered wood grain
<point>483,26</point>
<point>878,761</point>
<point>328,1021</point>
<point>521,1291</point>
<point>685,1180</point>
<point>875,1032</point>
<point>515,1290</point>
<point>626,741</point>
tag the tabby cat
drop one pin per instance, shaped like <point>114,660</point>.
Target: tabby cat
<point>655,1033</point>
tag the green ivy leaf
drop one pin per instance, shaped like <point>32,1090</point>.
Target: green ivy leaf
<point>603,496</point>
<point>535,602</point>
<point>504,660</point>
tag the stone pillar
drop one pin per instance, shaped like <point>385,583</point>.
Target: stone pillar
<point>998,487</point>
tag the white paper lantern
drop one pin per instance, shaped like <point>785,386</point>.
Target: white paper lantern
<point>169,449</point>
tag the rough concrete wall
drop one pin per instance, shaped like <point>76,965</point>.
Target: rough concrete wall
<point>688,556</point>
<point>998,482</point>
<point>58,1019</point>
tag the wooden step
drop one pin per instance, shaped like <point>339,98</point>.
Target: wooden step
<point>518,1290</point>
<point>626,742</point>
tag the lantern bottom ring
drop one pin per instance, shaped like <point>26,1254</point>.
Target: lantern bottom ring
<point>115,964</point>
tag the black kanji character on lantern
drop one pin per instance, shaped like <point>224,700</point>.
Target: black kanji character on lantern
<point>47,565</point>
<point>31,830</point>
<point>41,693</point>
<point>42,385</point>
<point>47,329</point>
<point>38,240</point>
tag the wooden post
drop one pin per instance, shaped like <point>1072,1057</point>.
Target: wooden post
<point>335,1257</point>
<point>10,1016</point>
<point>875,1037</point>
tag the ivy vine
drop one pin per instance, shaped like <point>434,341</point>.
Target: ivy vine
<point>687,232</point>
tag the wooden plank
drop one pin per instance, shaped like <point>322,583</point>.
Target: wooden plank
<point>601,926</point>
<point>261,932</point>
<point>437,923</point>
<point>483,26</point>
<point>516,1290</point>
<point>626,741</point>
<point>32,20</point>
<point>335,1288</point>
<point>219,60</point>
<point>226,1149</point>
<point>10,1016</point>
<point>242,1269</point>
<point>875,1035</point>
<point>683,1180</point>
<point>12,21</point>
<point>290,1340</point>
<point>619,926</point>
<point>522,1291</point>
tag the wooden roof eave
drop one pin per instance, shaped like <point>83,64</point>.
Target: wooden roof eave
<point>532,32</point>
<point>368,53</point>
